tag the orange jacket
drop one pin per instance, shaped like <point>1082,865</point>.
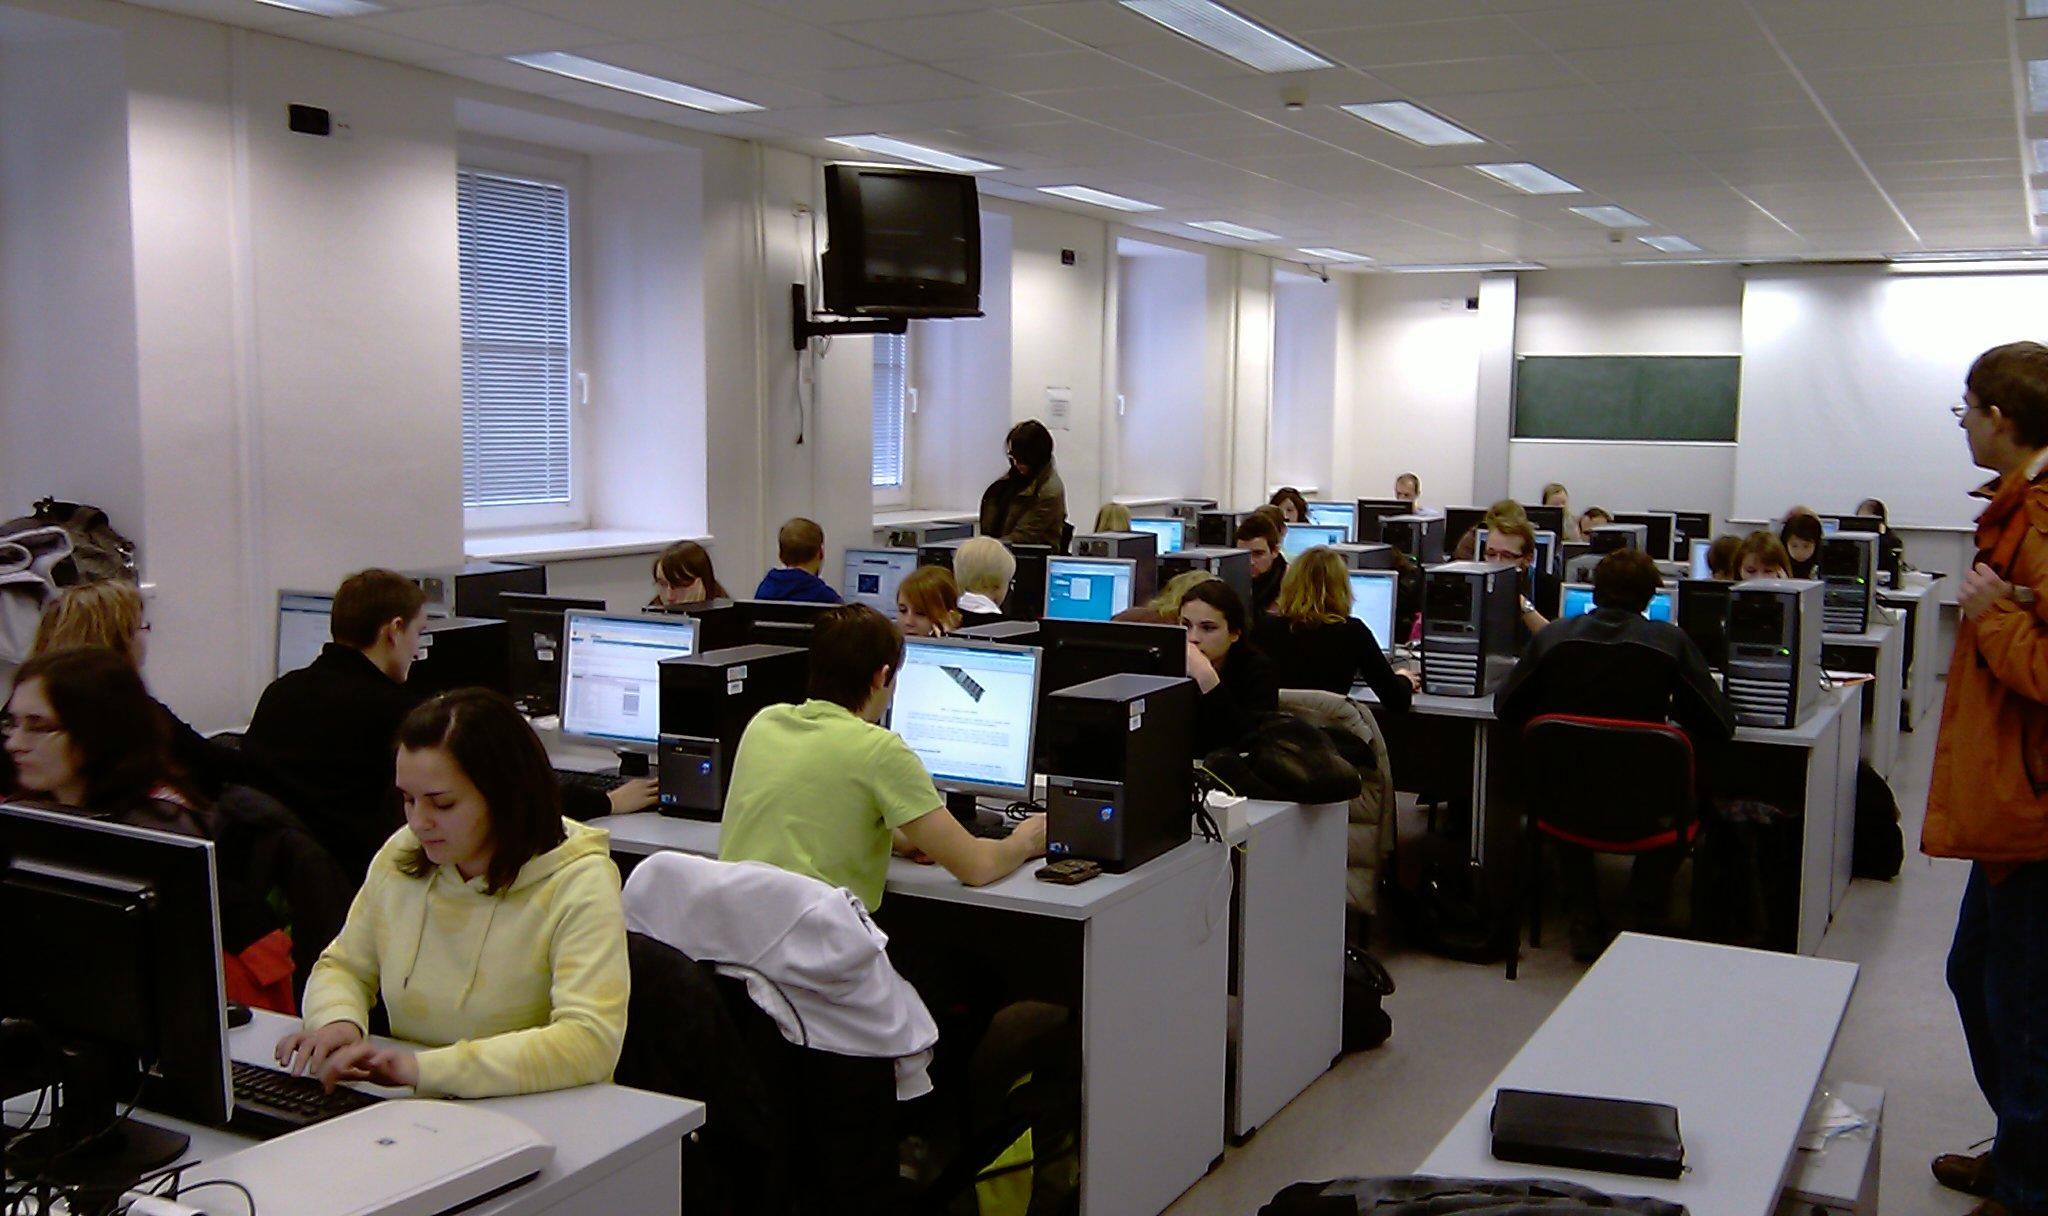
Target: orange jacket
<point>1989,797</point>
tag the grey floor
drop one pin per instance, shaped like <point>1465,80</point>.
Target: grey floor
<point>1455,1026</point>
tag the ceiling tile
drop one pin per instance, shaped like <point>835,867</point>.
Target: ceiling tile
<point>363,41</point>
<point>1866,48</point>
<point>485,29</point>
<point>897,82</point>
<point>1637,22</point>
<point>1497,75</point>
<point>1304,16</point>
<point>1793,17</point>
<point>659,20</point>
<point>1089,22</point>
<point>1125,101</point>
<point>787,51</point>
<point>1428,42</point>
<point>953,36</point>
<point>1993,76</point>
<point>1676,60</point>
<point>1075,69</point>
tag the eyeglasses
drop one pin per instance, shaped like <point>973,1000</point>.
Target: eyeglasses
<point>34,728</point>
<point>1959,408</point>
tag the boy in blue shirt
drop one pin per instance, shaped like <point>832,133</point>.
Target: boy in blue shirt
<point>801,547</point>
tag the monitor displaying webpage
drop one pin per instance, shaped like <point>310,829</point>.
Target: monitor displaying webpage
<point>1578,601</point>
<point>1301,538</point>
<point>304,625</point>
<point>1172,531</point>
<point>968,711</point>
<point>872,576</point>
<point>611,673</point>
<point>1372,601</point>
<point>1088,589</point>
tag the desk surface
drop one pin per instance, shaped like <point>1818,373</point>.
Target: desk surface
<point>1735,1039</point>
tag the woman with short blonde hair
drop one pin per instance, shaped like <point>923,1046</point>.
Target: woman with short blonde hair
<point>1315,642</point>
<point>983,568</point>
<point>106,614</point>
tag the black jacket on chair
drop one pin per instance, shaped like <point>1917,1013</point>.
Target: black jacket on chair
<point>1611,663</point>
<point>263,848</point>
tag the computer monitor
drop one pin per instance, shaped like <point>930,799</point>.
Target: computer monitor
<point>1460,520</point>
<point>1373,593</point>
<point>113,950</point>
<point>611,673</point>
<point>969,709</point>
<point>1079,651</point>
<point>304,625</point>
<point>873,574</point>
<point>1369,512</point>
<point>1171,530</point>
<point>1692,526</point>
<point>1088,588</point>
<point>1545,519</point>
<point>533,629</point>
<point>1578,601</point>
<point>1697,563</point>
<point>1301,538</point>
<point>1661,525</point>
<point>1335,515</point>
<point>1859,523</point>
<point>1829,525</point>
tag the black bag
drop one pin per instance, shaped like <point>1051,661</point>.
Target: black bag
<point>1745,877</point>
<point>1285,759</point>
<point>97,551</point>
<point>1366,985</point>
<point>1879,849</point>
<point>1443,903</point>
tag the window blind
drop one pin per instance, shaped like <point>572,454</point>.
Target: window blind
<point>890,389</point>
<point>514,236</point>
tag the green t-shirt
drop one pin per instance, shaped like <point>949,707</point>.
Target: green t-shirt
<point>816,790</point>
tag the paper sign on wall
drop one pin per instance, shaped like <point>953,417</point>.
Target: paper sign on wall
<point>1059,408</point>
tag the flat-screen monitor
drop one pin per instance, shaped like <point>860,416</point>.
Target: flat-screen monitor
<point>1829,525</point>
<point>1697,563</point>
<point>1662,525</point>
<point>611,673</point>
<point>1578,601</point>
<point>1079,651</point>
<point>1335,515</point>
<point>969,709</point>
<point>1301,538</point>
<point>1692,526</point>
<point>872,576</point>
<point>1088,588</point>
<point>1859,523</point>
<point>1171,530</point>
<point>304,625</point>
<point>901,242</point>
<point>533,630</point>
<point>1373,594</point>
<point>1546,519</point>
<point>1460,520</point>
<point>1370,511</point>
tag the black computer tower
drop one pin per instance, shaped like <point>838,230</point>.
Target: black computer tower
<point>1366,555</point>
<point>917,536</point>
<point>772,623</point>
<point>707,699</point>
<point>1232,565</point>
<point>1774,644</point>
<point>1141,547</point>
<point>1118,755</point>
<point>939,552</point>
<point>1471,627</point>
<point>1026,599</point>
<point>1421,537</point>
<point>1217,529</point>
<point>1699,606</point>
<point>462,652</point>
<point>1188,509</point>
<point>1848,568</point>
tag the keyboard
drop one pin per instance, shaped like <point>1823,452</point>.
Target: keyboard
<point>992,827</point>
<point>271,1102</point>
<point>603,783</point>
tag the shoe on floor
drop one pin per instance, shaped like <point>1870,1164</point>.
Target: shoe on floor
<point>1966,1172</point>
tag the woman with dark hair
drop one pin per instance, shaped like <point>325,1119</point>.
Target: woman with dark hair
<point>1027,505</point>
<point>683,575</point>
<point>490,925</point>
<point>1891,550</point>
<point>1293,507</point>
<point>1237,682</point>
<point>1801,535</point>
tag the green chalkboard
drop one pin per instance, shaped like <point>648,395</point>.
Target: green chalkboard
<point>1656,397</point>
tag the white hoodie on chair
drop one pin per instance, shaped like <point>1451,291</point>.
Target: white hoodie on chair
<point>811,957</point>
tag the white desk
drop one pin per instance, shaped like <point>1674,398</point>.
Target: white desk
<point>1735,1039</point>
<point>1881,651</point>
<point>1154,1004</point>
<point>616,1149</point>
<point>1920,601</point>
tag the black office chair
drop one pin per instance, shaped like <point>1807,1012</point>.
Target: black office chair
<point>1607,785</point>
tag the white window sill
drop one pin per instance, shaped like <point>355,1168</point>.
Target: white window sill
<point>920,515</point>
<point>580,544</point>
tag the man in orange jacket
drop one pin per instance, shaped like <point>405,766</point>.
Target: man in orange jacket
<point>1988,801</point>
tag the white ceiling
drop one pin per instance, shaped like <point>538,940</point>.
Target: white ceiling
<point>1754,128</point>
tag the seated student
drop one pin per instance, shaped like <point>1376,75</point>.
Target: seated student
<point>1315,642</point>
<point>490,926</point>
<point>800,546</point>
<point>1505,511</point>
<point>1164,608</point>
<point>983,568</point>
<point>1236,681</point>
<point>683,575</point>
<point>1257,535</point>
<point>1801,535</point>
<point>1891,550</point>
<point>1614,662</point>
<point>1591,518</point>
<point>927,603</point>
<point>1293,507</point>
<point>1555,495</point>
<point>320,739</point>
<point>109,614</point>
<point>819,788</point>
<point>1514,541</point>
<point>1112,517</point>
<point>1722,557</point>
<point>1408,488</point>
<point>1761,556</point>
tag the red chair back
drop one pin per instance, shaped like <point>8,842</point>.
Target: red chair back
<point>1607,784</point>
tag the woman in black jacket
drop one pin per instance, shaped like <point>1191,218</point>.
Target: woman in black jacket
<point>1027,505</point>
<point>1237,682</point>
<point>1315,642</point>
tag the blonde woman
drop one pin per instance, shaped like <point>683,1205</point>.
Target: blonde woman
<point>1315,642</point>
<point>927,603</point>
<point>983,568</point>
<point>1556,495</point>
<point>1164,608</point>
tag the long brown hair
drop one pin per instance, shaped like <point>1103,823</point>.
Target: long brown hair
<point>504,759</point>
<point>687,562</point>
<point>122,737</point>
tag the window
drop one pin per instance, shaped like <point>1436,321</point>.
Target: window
<point>516,368</point>
<point>892,392</point>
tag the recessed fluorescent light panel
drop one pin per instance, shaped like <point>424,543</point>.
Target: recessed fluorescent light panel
<point>1527,178</point>
<point>626,80</point>
<point>1669,244</point>
<point>905,150</point>
<point>1613,217</point>
<point>1242,233</point>
<point>1966,255</point>
<point>327,8</point>
<point>1461,267</point>
<point>1414,124</point>
<point>1225,32</point>
<point>1335,255</point>
<point>1101,198</point>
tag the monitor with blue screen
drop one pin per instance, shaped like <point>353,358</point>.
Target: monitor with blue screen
<point>1171,530</point>
<point>969,709</point>
<point>1301,538</point>
<point>1373,593</point>
<point>1578,601</point>
<point>1088,588</point>
<point>872,576</point>
<point>1335,515</point>
<point>611,673</point>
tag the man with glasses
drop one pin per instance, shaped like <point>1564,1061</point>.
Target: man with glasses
<point>1988,800</point>
<point>1514,542</point>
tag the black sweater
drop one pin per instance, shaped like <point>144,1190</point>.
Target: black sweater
<point>1611,663</point>
<point>1266,587</point>
<point>1330,657</point>
<point>1248,686</point>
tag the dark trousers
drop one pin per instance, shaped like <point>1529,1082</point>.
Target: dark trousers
<point>1649,886</point>
<point>1998,970</point>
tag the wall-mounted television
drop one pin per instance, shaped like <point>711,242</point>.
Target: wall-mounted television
<point>901,242</point>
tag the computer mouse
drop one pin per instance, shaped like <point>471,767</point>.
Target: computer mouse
<point>239,1015</point>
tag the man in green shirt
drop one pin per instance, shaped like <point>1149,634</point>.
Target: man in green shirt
<point>820,788</point>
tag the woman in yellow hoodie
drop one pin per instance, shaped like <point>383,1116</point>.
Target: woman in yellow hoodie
<point>490,924</point>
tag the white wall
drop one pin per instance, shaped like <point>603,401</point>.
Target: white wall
<point>961,370</point>
<point>1162,321</point>
<point>1057,342</point>
<point>1305,309</point>
<point>1415,387</point>
<point>1251,380</point>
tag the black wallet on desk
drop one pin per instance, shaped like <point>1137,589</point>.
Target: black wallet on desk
<point>1611,1135</point>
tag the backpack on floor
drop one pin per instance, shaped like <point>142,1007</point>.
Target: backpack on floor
<point>1879,849</point>
<point>1366,985</point>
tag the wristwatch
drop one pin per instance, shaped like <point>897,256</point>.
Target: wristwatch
<point>2023,596</point>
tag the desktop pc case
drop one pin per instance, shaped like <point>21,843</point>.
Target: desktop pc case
<point>706,702</point>
<point>1117,753</point>
<point>1232,565</point>
<point>1421,537</point>
<point>1471,622</point>
<point>940,552</point>
<point>917,536</point>
<point>1027,586</point>
<point>462,652</point>
<point>1013,633</point>
<point>1140,547</point>
<point>1774,638</point>
<point>1188,509</point>
<point>1366,555</point>
<point>472,590</point>
<point>1217,529</point>
<point>1848,569</point>
<point>1699,606</point>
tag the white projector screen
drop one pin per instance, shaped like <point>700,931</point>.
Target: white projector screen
<point>1847,380</point>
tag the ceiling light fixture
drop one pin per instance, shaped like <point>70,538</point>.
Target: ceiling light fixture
<point>1669,244</point>
<point>1334,255</point>
<point>1461,267</point>
<point>327,8</point>
<point>1101,198</point>
<point>1613,217</point>
<point>626,80</point>
<point>1242,233</point>
<point>1528,178</point>
<point>1227,33</point>
<point>903,149</point>
<point>1413,123</point>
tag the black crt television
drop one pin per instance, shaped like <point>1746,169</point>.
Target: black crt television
<point>901,242</point>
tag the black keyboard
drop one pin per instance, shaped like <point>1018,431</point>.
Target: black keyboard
<point>603,783</point>
<point>271,1102</point>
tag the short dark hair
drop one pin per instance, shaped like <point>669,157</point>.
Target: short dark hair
<point>1722,555</point>
<point>1258,526</point>
<point>1768,550</point>
<point>1223,598</point>
<point>1288,494</point>
<point>1031,445</point>
<point>505,760</point>
<point>1272,513</point>
<point>849,644</point>
<point>121,735</point>
<point>1626,578</point>
<point>2014,378</point>
<point>368,600</point>
<point>687,562</point>
<point>799,541</point>
<point>1802,527</point>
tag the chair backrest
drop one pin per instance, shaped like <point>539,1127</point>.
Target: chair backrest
<point>1607,781</point>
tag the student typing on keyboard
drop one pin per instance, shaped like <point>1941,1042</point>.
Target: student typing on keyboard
<point>490,924</point>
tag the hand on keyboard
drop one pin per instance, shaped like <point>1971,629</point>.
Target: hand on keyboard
<point>369,1062</point>
<point>633,794</point>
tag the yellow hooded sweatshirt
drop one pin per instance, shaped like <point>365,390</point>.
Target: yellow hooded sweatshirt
<point>512,993</point>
